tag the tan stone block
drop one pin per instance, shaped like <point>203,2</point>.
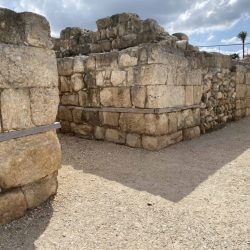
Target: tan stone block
<point>116,136</point>
<point>248,78</point>
<point>196,116</point>
<point>240,77</point>
<point>78,66</point>
<point>84,130</point>
<point>241,90</point>
<point>99,133</point>
<point>172,122</point>
<point>31,158</point>
<point>115,97</point>
<point>64,113</point>
<point>194,77</point>
<point>197,94</point>
<point>133,140</point>
<point>70,99</point>
<point>154,143</point>
<point>12,206</point>
<point>77,115</point>
<point>15,109</point>
<point>125,60</point>
<point>83,98</point>
<point>64,84</point>
<point>154,74</point>
<point>132,123</point>
<point>65,127</point>
<point>90,63</point>
<point>77,82</point>
<point>138,95</point>
<point>156,124</point>
<point>118,78</point>
<point>38,192</point>
<point>185,119</point>
<point>91,117</point>
<point>103,78</point>
<point>109,118</point>
<point>163,96</point>
<point>107,60</point>
<point>65,66</point>
<point>189,95</point>
<point>191,133</point>
<point>44,105</point>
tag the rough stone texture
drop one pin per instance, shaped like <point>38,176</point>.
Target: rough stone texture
<point>32,158</point>
<point>12,206</point>
<point>24,28</point>
<point>28,98</point>
<point>40,191</point>
<point>18,64</point>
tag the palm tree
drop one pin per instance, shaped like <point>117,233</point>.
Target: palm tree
<point>242,36</point>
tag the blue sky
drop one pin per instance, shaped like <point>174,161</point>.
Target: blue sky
<point>207,22</point>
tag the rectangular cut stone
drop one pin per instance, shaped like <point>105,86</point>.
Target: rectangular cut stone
<point>38,192</point>
<point>189,95</point>
<point>240,90</point>
<point>118,78</point>
<point>172,122</point>
<point>132,123</point>
<point>115,97</point>
<point>165,96</point>
<point>22,66</point>
<point>194,77</point>
<point>65,66</point>
<point>133,140</point>
<point>24,28</point>
<point>154,74</point>
<point>99,133</point>
<point>191,133</point>
<point>197,91</point>
<point>15,109</point>
<point>32,158</point>
<point>116,136</point>
<point>126,60</point>
<point>44,105</point>
<point>64,114</point>
<point>109,118</point>
<point>156,124</point>
<point>12,206</point>
<point>138,95</point>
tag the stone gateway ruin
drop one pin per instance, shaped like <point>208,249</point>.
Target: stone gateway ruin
<point>130,82</point>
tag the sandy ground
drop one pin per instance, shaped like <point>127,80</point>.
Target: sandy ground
<point>193,195</point>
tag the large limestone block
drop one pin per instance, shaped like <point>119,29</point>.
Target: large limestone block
<point>22,66</point>
<point>154,74</point>
<point>191,133</point>
<point>165,96</point>
<point>64,113</point>
<point>38,192</point>
<point>12,206</point>
<point>132,123</point>
<point>109,118</point>
<point>24,28</point>
<point>28,159</point>
<point>138,96</point>
<point>116,136</point>
<point>15,109</point>
<point>118,78</point>
<point>115,97</point>
<point>156,124</point>
<point>65,66</point>
<point>133,140</point>
<point>44,104</point>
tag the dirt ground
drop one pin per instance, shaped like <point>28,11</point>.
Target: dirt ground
<point>193,195</point>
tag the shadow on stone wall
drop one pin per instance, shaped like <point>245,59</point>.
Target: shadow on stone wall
<point>172,173</point>
<point>24,232</point>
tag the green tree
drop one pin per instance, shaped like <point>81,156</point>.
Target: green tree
<point>242,36</point>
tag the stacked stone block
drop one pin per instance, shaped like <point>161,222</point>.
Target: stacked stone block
<point>28,98</point>
<point>143,96</point>
<point>116,32</point>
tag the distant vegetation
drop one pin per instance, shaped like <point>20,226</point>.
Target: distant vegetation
<point>242,36</point>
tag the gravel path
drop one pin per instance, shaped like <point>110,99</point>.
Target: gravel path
<point>193,195</point>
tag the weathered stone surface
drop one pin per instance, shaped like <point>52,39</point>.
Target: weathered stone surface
<point>12,206</point>
<point>15,109</point>
<point>99,133</point>
<point>84,130</point>
<point>64,113</point>
<point>165,96</point>
<point>138,95</point>
<point>77,82</point>
<point>32,158</point>
<point>125,60</point>
<point>189,90</point>
<point>132,123</point>
<point>191,133</point>
<point>240,90</point>
<point>183,44</point>
<point>64,83</point>
<point>133,140</point>
<point>65,66</point>
<point>70,99</point>
<point>109,118</point>
<point>44,104</point>
<point>172,122</point>
<point>180,36</point>
<point>27,67</point>
<point>79,63</point>
<point>24,28</point>
<point>156,124</point>
<point>118,78</point>
<point>38,192</point>
<point>116,136</point>
<point>115,97</point>
<point>77,115</point>
<point>65,127</point>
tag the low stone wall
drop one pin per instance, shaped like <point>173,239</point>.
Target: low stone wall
<point>146,96</point>
<point>116,32</point>
<point>28,99</point>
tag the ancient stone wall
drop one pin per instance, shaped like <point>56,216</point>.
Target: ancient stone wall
<point>116,32</point>
<point>28,100</point>
<point>150,91</point>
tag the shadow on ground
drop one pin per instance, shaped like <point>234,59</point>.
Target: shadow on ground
<point>172,173</point>
<point>24,232</point>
